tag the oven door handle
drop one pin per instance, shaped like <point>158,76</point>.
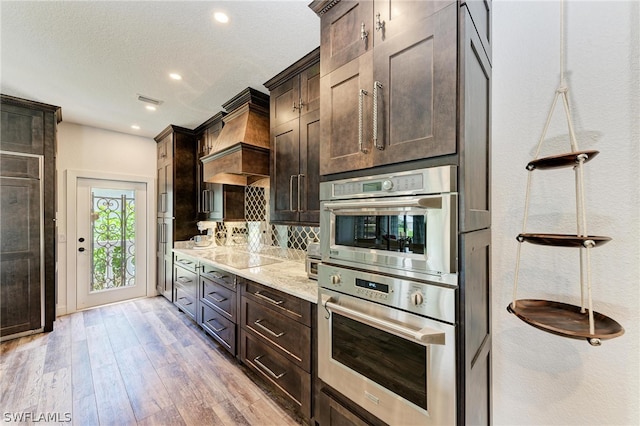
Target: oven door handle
<point>425,203</point>
<point>425,335</point>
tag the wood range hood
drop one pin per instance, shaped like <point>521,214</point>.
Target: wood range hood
<point>240,155</point>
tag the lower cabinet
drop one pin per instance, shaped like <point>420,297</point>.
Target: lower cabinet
<point>276,339</point>
<point>185,285</point>
<point>335,410</point>
<point>217,309</point>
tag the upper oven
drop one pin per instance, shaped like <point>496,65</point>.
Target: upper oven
<point>402,223</point>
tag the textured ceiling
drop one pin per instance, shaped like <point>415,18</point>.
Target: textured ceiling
<point>93,58</point>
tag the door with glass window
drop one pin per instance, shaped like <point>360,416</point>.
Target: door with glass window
<point>110,241</point>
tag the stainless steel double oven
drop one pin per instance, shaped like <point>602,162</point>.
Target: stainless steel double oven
<point>386,314</point>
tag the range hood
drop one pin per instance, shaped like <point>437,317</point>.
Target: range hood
<point>240,155</point>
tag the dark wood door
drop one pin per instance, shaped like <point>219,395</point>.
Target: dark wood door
<point>309,81</point>
<point>310,168</point>
<point>23,130</point>
<point>392,17</point>
<point>416,108</point>
<point>285,166</point>
<point>285,102</point>
<point>20,245</point>
<point>341,36</point>
<point>345,144</point>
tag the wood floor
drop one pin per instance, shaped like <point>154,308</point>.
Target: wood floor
<point>139,362</point>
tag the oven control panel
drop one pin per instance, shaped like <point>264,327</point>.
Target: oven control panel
<point>417,297</point>
<point>433,180</point>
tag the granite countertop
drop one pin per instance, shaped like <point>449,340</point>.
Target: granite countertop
<point>265,268</point>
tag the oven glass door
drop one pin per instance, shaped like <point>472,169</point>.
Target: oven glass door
<point>392,362</point>
<point>403,231</point>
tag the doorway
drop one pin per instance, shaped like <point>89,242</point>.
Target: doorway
<point>108,239</point>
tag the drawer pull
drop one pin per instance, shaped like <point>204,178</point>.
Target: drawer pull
<point>215,298</point>
<point>267,369</point>
<point>184,280</point>
<point>216,329</point>
<point>271,332</point>
<point>185,304</point>
<point>268,299</point>
<point>185,262</point>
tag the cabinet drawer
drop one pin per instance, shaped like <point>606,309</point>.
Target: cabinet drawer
<point>218,275</point>
<point>185,279</point>
<point>286,304</point>
<point>294,382</point>
<point>185,301</point>
<point>219,327</point>
<point>292,339</point>
<point>185,262</point>
<point>221,298</point>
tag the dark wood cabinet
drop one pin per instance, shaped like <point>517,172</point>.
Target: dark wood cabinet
<point>218,305</point>
<point>185,285</point>
<point>276,341</point>
<point>395,100</point>
<point>27,216</point>
<point>176,199</point>
<point>295,142</point>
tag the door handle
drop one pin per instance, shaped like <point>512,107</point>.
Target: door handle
<point>376,85</point>
<point>361,95</point>
<point>300,209</point>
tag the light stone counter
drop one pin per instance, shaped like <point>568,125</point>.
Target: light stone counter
<point>281,274</point>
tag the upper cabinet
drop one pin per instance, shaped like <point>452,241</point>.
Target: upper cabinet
<point>295,142</point>
<point>388,82</point>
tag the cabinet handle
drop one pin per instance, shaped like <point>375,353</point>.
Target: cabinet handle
<point>268,299</point>
<point>164,233</point>
<point>364,34</point>
<point>267,369</point>
<point>376,85</point>
<point>183,280</point>
<point>215,298</point>
<point>291,192</point>
<point>268,330</point>
<point>184,298</point>
<point>204,204</point>
<point>163,202</point>
<point>218,329</point>
<point>300,176</point>
<point>294,108</point>
<point>302,104</point>
<point>379,23</point>
<point>360,120</point>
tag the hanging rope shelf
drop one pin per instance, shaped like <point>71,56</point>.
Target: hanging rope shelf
<point>579,322</point>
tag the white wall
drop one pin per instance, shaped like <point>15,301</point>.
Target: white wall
<point>92,149</point>
<point>540,378</point>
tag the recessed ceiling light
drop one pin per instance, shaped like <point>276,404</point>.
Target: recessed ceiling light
<point>135,127</point>
<point>150,107</point>
<point>221,17</point>
<point>175,76</point>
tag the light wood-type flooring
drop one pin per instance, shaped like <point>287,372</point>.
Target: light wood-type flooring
<point>139,362</point>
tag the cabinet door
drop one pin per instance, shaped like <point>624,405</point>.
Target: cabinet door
<point>310,89</point>
<point>392,17</point>
<point>310,167</point>
<point>285,166</point>
<point>22,130</point>
<point>346,145</point>
<point>20,246</point>
<point>285,102</point>
<point>416,105</point>
<point>341,33</point>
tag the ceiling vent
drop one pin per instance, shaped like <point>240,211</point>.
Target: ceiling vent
<point>148,100</point>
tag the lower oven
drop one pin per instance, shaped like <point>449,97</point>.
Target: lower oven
<point>388,345</point>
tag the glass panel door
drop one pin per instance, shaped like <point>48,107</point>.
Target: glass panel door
<point>111,241</point>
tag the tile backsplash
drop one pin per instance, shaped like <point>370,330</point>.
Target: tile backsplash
<point>258,234</point>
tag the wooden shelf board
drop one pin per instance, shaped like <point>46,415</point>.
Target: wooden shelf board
<point>562,240</point>
<point>564,319</point>
<point>562,160</point>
